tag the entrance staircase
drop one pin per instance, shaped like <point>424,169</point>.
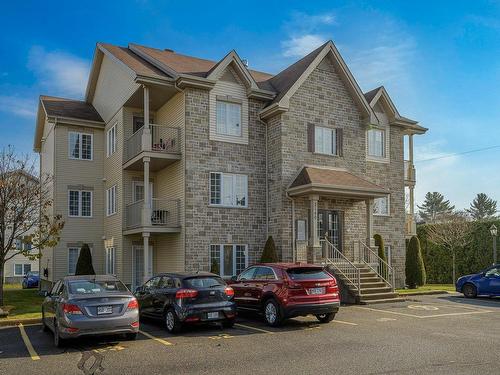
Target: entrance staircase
<point>367,280</point>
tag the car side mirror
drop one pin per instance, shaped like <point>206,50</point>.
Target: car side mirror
<point>139,289</point>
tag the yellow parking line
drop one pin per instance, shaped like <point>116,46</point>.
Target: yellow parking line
<point>254,328</point>
<point>161,341</point>
<point>342,322</point>
<point>27,342</point>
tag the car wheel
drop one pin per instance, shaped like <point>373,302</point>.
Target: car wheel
<point>325,318</point>
<point>131,336</point>
<point>272,313</point>
<point>469,291</point>
<point>58,341</point>
<point>229,323</point>
<point>172,321</point>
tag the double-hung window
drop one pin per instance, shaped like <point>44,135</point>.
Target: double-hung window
<point>111,201</point>
<point>79,203</point>
<point>376,143</point>
<point>228,118</point>
<point>230,190</point>
<point>73,254</point>
<point>80,146</point>
<point>325,140</point>
<point>381,206</point>
<point>231,259</point>
<point>21,269</point>
<point>110,260</point>
<point>111,141</point>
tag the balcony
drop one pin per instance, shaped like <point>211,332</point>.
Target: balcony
<point>162,144</point>
<point>409,173</point>
<point>164,217</point>
<point>410,226</point>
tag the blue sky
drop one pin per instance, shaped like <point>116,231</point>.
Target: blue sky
<point>439,60</point>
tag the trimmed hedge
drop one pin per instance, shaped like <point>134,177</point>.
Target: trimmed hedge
<point>414,266</point>
<point>269,255</point>
<point>379,242</point>
<point>475,257</point>
<point>84,263</point>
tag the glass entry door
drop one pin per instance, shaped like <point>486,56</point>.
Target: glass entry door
<point>330,226</point>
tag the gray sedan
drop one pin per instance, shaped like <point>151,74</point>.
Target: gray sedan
<point>90,305</point>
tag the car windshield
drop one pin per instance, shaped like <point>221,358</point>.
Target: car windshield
<point>204,282</point>
<point>96,287</point>
<point>33,273</point>
<point>307,274</point>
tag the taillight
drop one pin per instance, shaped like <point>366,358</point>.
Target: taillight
<point>229,291</point>
<point>133,304</point>
<point>71,309</point>
<point>135,324</point>
<point>186,293</point>
<point>332,287</point>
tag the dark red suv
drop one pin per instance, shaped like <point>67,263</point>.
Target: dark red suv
<point>286,290</point>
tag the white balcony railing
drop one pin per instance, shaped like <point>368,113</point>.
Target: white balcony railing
<point>163,139</point>
<point>164,212</point>
<point>409,171</point>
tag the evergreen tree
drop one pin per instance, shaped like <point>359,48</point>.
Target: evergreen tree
<point>214,268</point>
<point>483,207</point>
<point>414,266</point>
<point>269,255</point>
<point>379,242</point>
<point>84,263</point>
<point>435,207</point>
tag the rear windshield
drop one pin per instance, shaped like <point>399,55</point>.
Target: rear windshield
<point>204,282</point>
<point>34,273</point>
<point>307,274</point>
<point>96,287</point>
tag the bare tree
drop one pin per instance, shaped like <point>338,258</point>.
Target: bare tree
<point>25,206</point>
<point>452,233</point>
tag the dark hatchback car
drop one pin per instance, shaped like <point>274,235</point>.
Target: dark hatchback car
<point>286,290</point>
<point>187,298</point>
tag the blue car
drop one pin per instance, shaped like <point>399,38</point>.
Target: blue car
<point>31,279</point>
<point>484,283</point>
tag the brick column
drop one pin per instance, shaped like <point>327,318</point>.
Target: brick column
<point>314,245</point>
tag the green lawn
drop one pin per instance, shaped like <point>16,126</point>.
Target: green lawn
<point>428,288</point>
<point>22,303</point>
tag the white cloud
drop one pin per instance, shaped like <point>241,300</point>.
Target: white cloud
<point>59,72</point>
<point>18,106</point>
<point>301,45</point>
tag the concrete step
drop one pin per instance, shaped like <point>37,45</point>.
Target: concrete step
<point>372,284</point>
<point>377,290</point>
<point>377,296</point>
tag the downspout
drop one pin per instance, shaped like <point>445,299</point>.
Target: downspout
<point>267,182</point>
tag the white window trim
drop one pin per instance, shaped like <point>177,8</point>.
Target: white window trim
<point>240,128</point>
<point>386,148</point>
<point>388,214</point>
<point>113,264</point>
<point>388,253</point>
<point>80,204</point>
<point>22,268</point>
<point>334,140</point>
<point>111,207</point>
<point>111,147</point>
<point>221,190</point>
<point>221,256</point>
<point>80,153</point>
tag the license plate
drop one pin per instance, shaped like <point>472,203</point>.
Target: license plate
<point>104,310</point>
<point>317,291</point>
<point>213,315</point>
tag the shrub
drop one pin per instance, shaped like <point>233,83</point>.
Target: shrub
<point>214,268</point>
<point>269,254</point>
<point>414,267</point>
<point>379,242</point>
<point>84,263</point>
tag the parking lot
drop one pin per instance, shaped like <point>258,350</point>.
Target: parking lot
<point>443,334</point>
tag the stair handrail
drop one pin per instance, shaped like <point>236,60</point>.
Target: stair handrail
<point>343,266</point>
<point>382,264</point>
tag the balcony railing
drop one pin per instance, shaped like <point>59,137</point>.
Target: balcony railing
<point>164,139</point>
<point>409,172</point>
<point>164,213</point>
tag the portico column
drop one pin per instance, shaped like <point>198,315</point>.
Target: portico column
<point>146,210</point>
<point>146,131</point>
<point>370,241</point>
<point>145,238</point>
<point>313,238</point>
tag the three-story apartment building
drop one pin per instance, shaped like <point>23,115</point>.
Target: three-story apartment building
<point>173,162</point>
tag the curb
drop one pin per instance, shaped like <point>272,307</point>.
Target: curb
<point>15,322</point>
<point>428,293</point>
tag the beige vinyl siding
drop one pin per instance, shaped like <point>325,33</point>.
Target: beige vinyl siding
<point>169,184</point>
<point>114,87</point>
<point>70,172</point>
<point>18,259</point>
<point>113,175</point>
<point>229,85</point>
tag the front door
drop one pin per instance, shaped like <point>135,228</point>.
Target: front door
<point>138,265</point>
<point>330,226</point>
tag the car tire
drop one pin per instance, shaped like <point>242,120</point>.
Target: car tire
<point>272,313</point>
<point>172,322</point>
<point>58,341</point>
<point>131,336</point>
<point>228,323</point>
<point>325,318</point>
<point>469,290</point>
